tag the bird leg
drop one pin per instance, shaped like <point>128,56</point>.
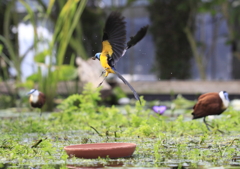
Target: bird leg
<point>40,112</point>
<point>208,125</point>
<point>102,73</point>
<point>220,131</point>
<point>104,78</point>
<point>102,81</point>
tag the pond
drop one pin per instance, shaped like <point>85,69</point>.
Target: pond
<point>170,140</point>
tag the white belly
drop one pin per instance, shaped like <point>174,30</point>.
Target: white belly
<point>33,98</point>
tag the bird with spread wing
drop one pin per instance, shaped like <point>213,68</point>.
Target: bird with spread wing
<point>114,45</point>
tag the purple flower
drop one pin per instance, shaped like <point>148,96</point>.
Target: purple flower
<point>159,109</point>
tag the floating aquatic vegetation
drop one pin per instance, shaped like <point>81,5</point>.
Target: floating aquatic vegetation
<point>162,141</point>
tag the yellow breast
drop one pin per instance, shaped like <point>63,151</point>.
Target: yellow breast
<point>107,48</point>
<point>107,51</point>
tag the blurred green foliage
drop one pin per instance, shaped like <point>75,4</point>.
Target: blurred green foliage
<point>173,28</point>
<point>116,94</point>
<point>173,52</point>
<point>182,103</point>
<point>87,101</point>
<point>49,75</point>
<point>6,101</point>
<point>119,93</point>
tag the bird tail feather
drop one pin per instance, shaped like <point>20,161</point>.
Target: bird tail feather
<point>126,82</point>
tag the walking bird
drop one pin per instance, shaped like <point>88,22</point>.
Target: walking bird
<point>36,99</point>
<point>114,46</point>
<point>210,104</point>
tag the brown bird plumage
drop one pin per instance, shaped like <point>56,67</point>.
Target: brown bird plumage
<point>40,102</point>
<point>210,104</point>
<point>37,99</point>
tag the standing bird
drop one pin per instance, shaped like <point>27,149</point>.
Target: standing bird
<point>210,104</point>
<point>36,99</point>
<point>114,45</point>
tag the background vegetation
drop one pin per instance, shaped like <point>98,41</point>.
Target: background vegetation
<point>175,22</point>
<point>68,42</point>
<point>176,18</point>
<point>169,18</point>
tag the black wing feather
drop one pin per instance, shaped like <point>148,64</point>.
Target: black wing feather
<point>135,39</point>
<point>115,33</point>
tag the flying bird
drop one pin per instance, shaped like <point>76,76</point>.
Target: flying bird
<point>36,99</point>
<point>210,104</point>
<point>114,46</point>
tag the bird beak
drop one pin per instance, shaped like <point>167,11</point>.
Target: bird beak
<point>93,58</point>
<point>29,93</point>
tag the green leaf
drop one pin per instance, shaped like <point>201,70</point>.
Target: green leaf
<point>26,18</point>
<point>213,12</point>
<point>202,10</point>
<point>1,48</point>
<point>40,57</point>
<point>50,6</point>
<point>34,77</point>
<point>29,84</point>
<point>65,72</point>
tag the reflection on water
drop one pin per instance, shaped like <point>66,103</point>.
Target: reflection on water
<point>117,164</point>
<point>98,165</point>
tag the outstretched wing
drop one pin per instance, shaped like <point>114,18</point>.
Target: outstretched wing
<point>114,37</point>
<point>136,38</point>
